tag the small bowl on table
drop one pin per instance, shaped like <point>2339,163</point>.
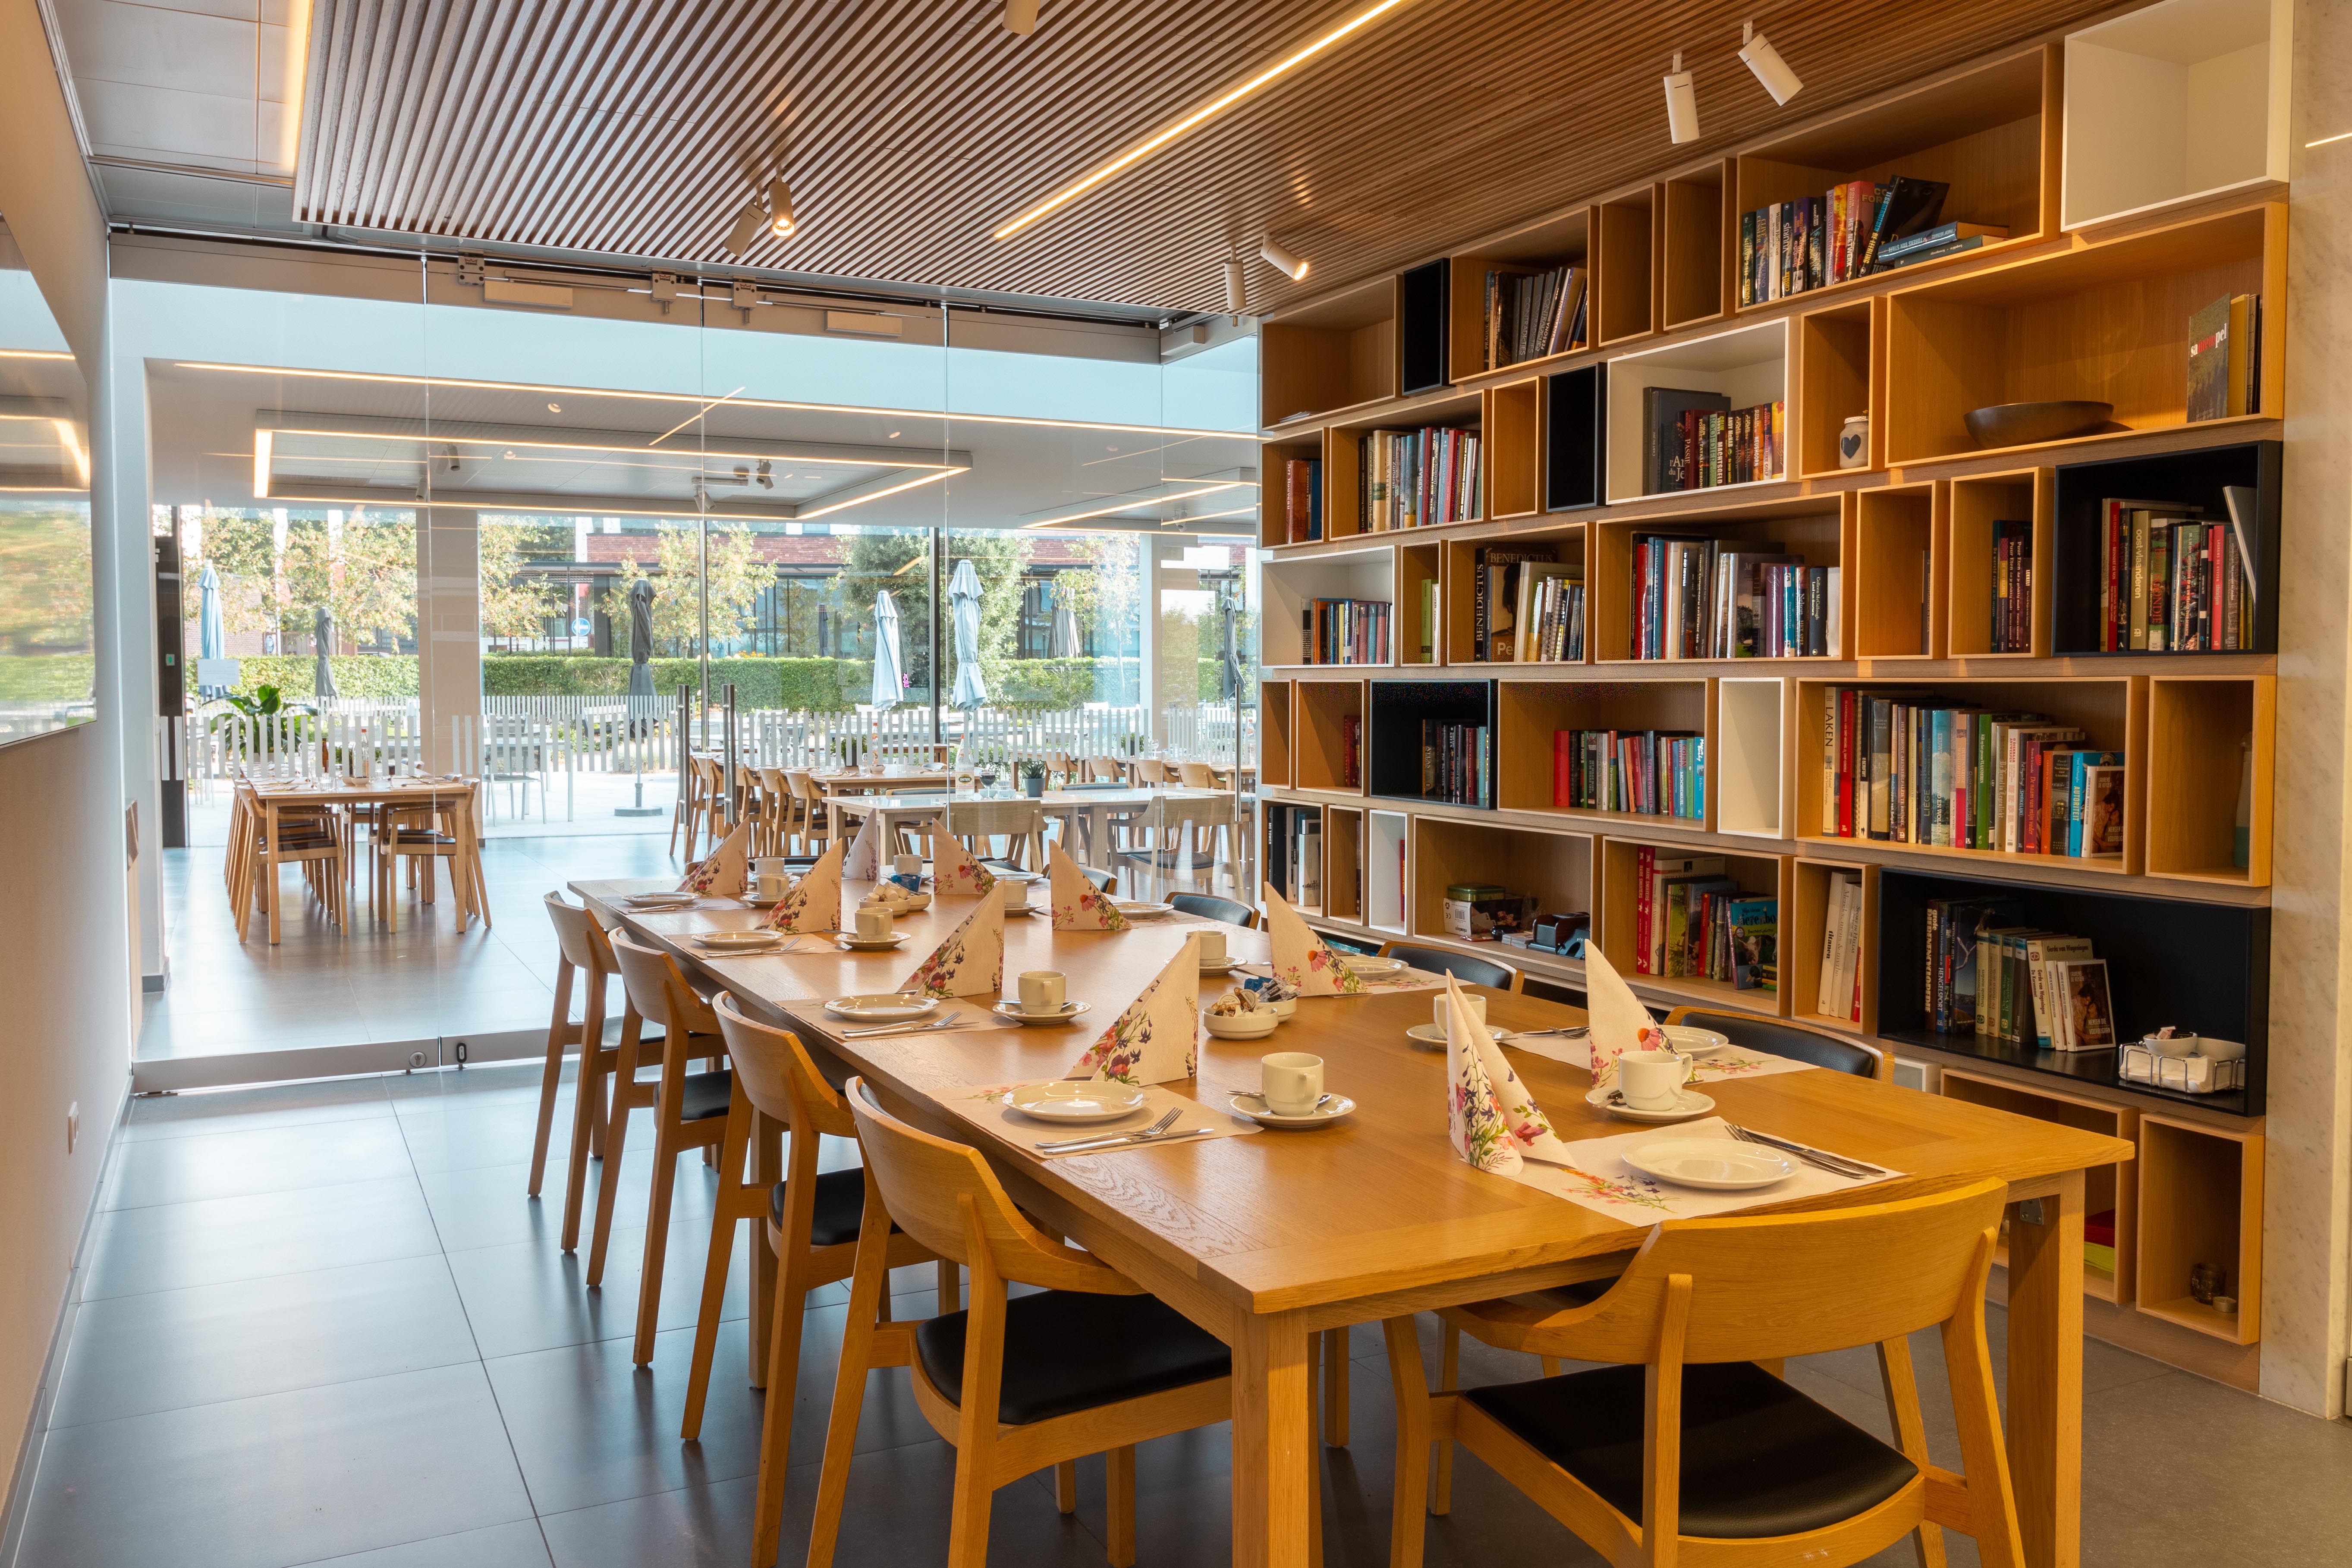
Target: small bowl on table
<point>1251,1026</point>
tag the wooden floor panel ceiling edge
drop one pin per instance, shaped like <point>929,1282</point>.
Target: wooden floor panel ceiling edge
<point>909,133</point>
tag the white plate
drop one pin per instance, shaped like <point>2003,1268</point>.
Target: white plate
<point>660,900</point>
<point>755,902</point>
<point>1227,967</point>
<point>741,941</point>
<point>1694,1103</point>
<point>1717,1164</point>
<point>1140,909</point>
<point>869,943</point>
<point>1079,1099</point>
<point>1012,1011</point>
<point>1333,1108</point>
<point>887,1007</point>
<point>1693,1042</point>
<point>1366,964</point>
<point>1240,1025</point>
<point>1025,909</point>
<point>1431,1035</point>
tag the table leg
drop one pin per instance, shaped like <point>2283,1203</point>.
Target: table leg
<point>269,874</point>
<point>1273,1441</point>
<point>2045,1374</point>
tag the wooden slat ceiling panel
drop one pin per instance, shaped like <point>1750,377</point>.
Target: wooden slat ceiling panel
<point>911,129</point>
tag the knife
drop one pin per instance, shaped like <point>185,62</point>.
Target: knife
<point>1112,1143</point>
<point>947,1018</point>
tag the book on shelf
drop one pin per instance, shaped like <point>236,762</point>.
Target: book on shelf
<point>1640,772</point>
<point>1308,860</point>
<point>1531,314</point>
<point>2224,358</point>
<point>1948,986</point>
<point>2041,950</point>
<point>1416,479</point>
<point>1719,598</point>
<point>2085,1005</point>
<point>1661,883</point>
<point>1854,228</point>
<point>1911,767</point>
<point>1346,631</point>
<point>2012,628</point>
<point>1550,620</point>
<point>1839,994</point>
<point>1494,590</point>
<point>1752,936</point>
<point>2172,579</point>
<point>1697,440</point>
<point>1302,496</point>
<point>1351,759</point>
<point>1429,597</point>
<point>1454,765</point>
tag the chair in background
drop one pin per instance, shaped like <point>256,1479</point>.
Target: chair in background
<point>421,835</point>
<point>1106,769</point>
<point>1196,775</point>
<point>1798,1042</point>
<point>1105,882</point>
<point>1184,837</point>
<point>1463,966</point>
<point>1021,822</point>
<point>780,810</point>
<point>811,816</point>
<point>1231,912</point>
<point>1686,1438</point>
<point>998,1380</point>
<point>581,951</point>
<point>695,804</point>
<point>308,836</point>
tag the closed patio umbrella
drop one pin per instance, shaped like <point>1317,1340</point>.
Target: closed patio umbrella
<point>641,638</point>
<point>1062,640</point>
<point>322,639</point>
<point>212,631</point>
<point>887,661</point>
<point>963,604</point>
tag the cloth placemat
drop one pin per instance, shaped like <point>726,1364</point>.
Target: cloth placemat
<point>1597,1177</point>
<point>974,1019</point>
<point>1403,980</point>
<point>985,1106</point>
<point>1576,1051</point>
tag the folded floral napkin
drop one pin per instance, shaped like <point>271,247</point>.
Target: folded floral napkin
<point>1077,904</point>
<point>1619,1021</point>
<point>953,870</point>
<point>1301,957</point>
<point>1158,1038</point>
<point>719,874</point>
<point>863,862</point>
<point>1489,1116</point>
<point>814,903</point>
<point>971,963</point>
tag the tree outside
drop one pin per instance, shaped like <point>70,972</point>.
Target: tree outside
<point>737,576</point>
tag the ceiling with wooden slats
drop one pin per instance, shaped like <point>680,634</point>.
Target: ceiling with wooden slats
<point>909,130</point>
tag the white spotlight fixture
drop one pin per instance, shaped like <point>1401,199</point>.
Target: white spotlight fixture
<point>1766,62</point>
<point>1291,267</point>
<point>1020,17</point>
<point>749,223</point>
<point>779,209</point>
<point>1236,295</point>
<point>1682,103</point>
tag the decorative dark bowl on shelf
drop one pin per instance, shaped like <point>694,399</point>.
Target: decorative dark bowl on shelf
<point>2025,423</point>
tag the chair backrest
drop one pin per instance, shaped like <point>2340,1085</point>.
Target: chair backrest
<point>1105,768</point>
<point>658,990</point>
<point>802,785</point>
<point>945,1196</point>
<point>777,1076</point>
<point>1196,775</point>
<point>577,932</point>
<point>1151,770</point>
<point>1232,911</point>
<point>977,819</point>
<point>1461,966</point>
<point>1768,1286</point>
<point>1781,1038</point>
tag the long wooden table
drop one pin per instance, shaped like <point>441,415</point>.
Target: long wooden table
<point>455,796</point>
<point>1265,1241</point>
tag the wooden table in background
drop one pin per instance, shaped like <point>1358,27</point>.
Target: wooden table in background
<point>454,796</point>
<point>1092,806</point>
<point>1267,1241</point>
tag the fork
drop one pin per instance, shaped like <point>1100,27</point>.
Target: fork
<point>1157,1130</point>
<point>1568,1029</point>
<point>945,1018</point>
<point>1834,1163</point>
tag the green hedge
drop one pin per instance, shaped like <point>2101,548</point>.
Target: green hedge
<point>821,684</point>
<point>42,677</point>
<point>373,675</point>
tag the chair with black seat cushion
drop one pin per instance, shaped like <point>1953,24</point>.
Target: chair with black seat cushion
<point>1208,907</point>
<point>1463,966</point>
<point>811,1222</point>
<point>1779,1037</point>
<point>1000,1380</point>
<point>1683,1446</point>
<point>1105,882</point>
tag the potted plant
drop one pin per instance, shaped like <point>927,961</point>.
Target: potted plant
<point>1032,779</point>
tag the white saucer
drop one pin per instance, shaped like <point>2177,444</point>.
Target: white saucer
<point>1140,909</point>
<point>1694,1103</point>
<point>741,941</point>
<point>1693,1042</point>
<point>868,943</point>
<point>884,1007</point>
<point>1025,909</point>
<point>1079,1099</point>
<point>1225,968</point>
<point>1013,1013</point>
<point>1365,964</point>
<point>1333,1108</point>
<point>661,900</point>
<point>1717,1164</point>
<point>1431,1035</point>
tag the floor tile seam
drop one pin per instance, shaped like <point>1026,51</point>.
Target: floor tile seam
<point>271,1393</point>
<point>427,1540</point>
<point>316,1186</point>
<point>231,1132</point>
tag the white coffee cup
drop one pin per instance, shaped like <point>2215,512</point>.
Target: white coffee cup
<point>1444,1012</point>
<point>1212,948</point>
<point>906,865</point>
<point>1043,991</point>
<point>1016,893</point>
<point>1290,1082</point>
<point>1652,1080</point>
<point>873,921</point>
<point>767,866</point>
<point>771,884</point>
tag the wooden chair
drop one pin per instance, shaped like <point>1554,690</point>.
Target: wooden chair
<point>1022,822</point>
<point>1685,1448</point>
<point>692,805</point>
<point>999,1380</point>
<point>421,835</point>
<point>780,810</point>
<point>584,954</point>
<point>1196,775</point>
<point>1188,835</point>
<point>1231,912</point>
<point>1798,1042</point>
<point>813,819</point>
<point>691,1112</point>
<point>308,836</point>
<point>1463,966</point>
<point>1151,772</point>
<point>1107,770</point>
<point>811,1222</point>
<point>1105,882</point>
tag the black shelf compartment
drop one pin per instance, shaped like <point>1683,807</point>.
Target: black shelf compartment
<point>1576,438</point>
<point>2193,478</point>
<point>2197,966</point>
<point>1424,303</point>
<point>1400,709</point>
<point>1281,820</point>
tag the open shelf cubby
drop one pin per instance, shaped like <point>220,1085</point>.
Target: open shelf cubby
<point>1839,376</point>
<point>1422,306</point>
<point>1748,785</point>
<point>1978,504</point>
<point>1562,241</point>
<point>1988,131</point>
<point>1343,863</point>
<point>1805,926</point>
<point>1296,874</point>
<point>1291,587</point>
<point>1274,735</point>
<point>1576,438</point>
<point>1529,713</point>
<point>1625,300</point>
<point>1406,716</point>
<point>1276,521</point>
<point>1513,449</point>
<point>1555,865</point>
<point>2196,478</point>
<point>2200,1201</point>
<point>2222,990</point>
<point>1385,869</point>
<point>1758,876</point>
<point>2109,1190</point>
<point>1421,603</point>
<point>2109,710</point>
<point>2210,738</point>
<point>1813,529</point>
<point>1335,353</point>
<point>1327,745</point>
<point>2173,102</point>
<point>1348,507</point>
<point>1897,604</point>
<point>1697,260</point>
<point>1465,559</point>
<point>1749,366</point>
<point>2108,322</point>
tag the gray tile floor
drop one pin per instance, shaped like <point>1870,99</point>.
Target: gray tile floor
<point>321,1324</point>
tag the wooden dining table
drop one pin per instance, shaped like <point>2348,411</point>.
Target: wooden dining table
<point>1267,1240</point>
<point>452,795</point>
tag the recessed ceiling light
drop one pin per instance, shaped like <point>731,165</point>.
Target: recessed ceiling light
<point>779,209</point>
<point>1020,17</point>
<point>556,408</point>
